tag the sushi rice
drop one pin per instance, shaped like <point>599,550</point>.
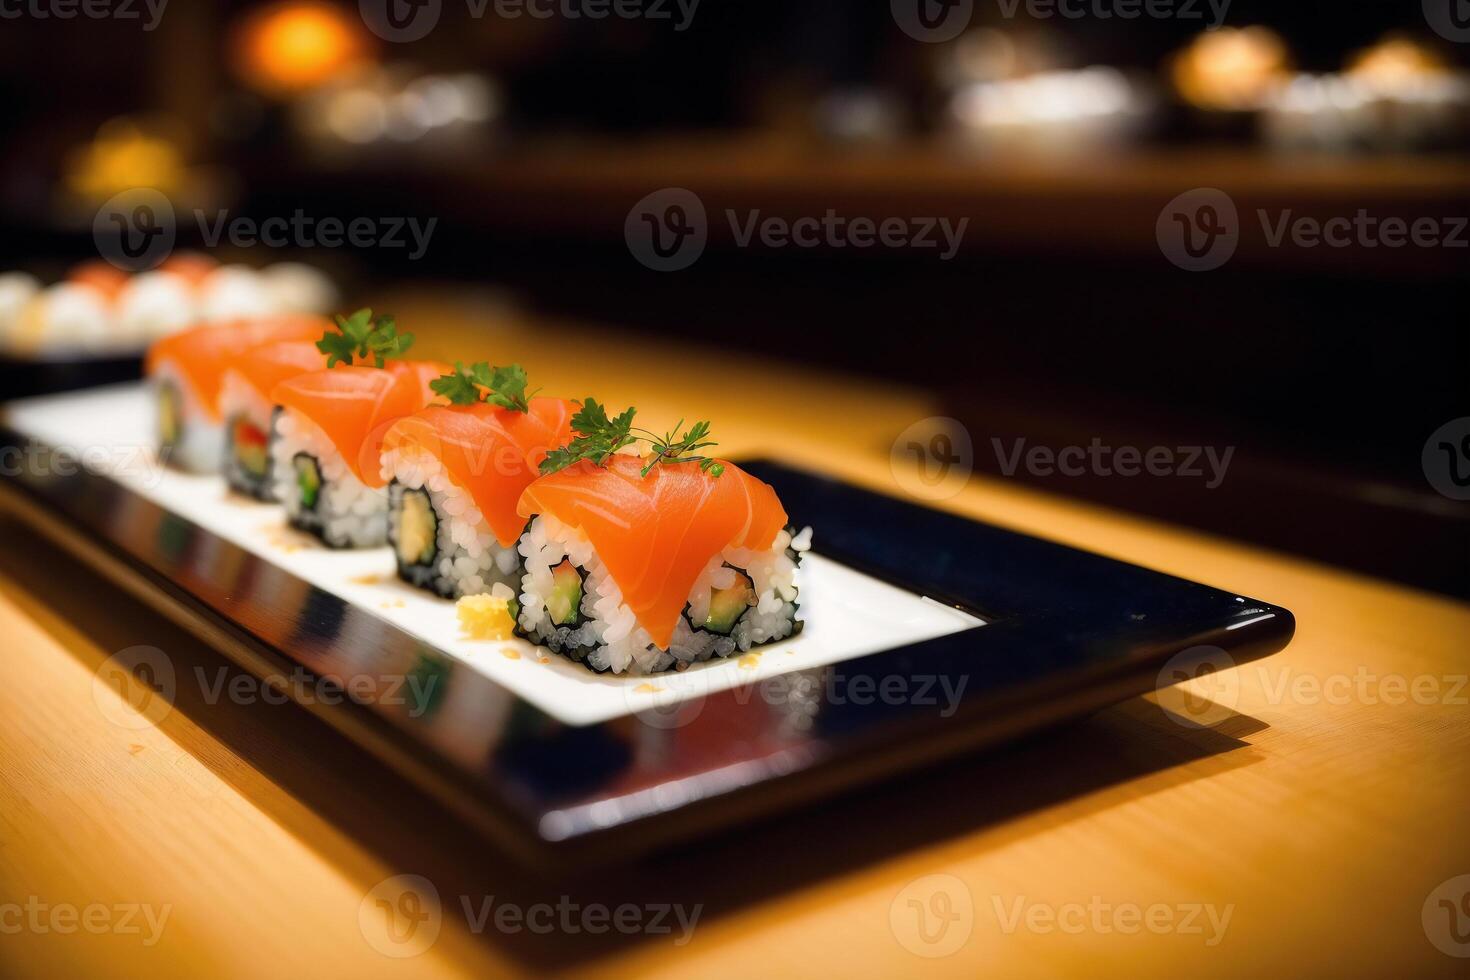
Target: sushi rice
<point>603,632</point>
<point>320,493</point>
<point>441,540</point>
<point>247,462</point>
<point>187,437</point>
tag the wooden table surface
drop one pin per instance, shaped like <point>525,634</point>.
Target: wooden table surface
<point>1305,832</point>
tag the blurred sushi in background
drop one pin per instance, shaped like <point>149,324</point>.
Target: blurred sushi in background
<point>186,371</point>
<point>99,310</point>
<point>456,473</point>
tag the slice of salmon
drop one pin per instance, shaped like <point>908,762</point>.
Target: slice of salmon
<point>355,407</point>
<point>493,453</point>
<point>102,276</point>
<point>421,373</point>
<point>201,354</point>
<point>191,266</point>
<point>268,365</point>
<point>657,533</point>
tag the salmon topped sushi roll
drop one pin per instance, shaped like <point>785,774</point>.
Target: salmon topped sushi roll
<point>328,427</point>
<point>187,370</point>
<point>456,476</point>
<point>642,563</point>
<point>246,408</point>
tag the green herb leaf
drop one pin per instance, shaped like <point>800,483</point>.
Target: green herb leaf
<point>362,338</point>
<point>459,387</point>
<point>505,386</point>
<point>599,437</point>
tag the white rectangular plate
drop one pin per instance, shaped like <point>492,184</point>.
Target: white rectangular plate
<point>847,614</point>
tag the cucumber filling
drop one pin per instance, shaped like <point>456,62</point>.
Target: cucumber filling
<point>727,605</point>
<point>250,446</point>
<point>308,479</point>
<point>418,529</point>
<point>564,605</point>
<point>169,415</point>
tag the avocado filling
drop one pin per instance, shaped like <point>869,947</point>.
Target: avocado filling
<point>249,443</point>
<point>418,529</point>
<point>168,415</point>
<point>308,479</point>
<point>727,605</point>
<point>564,605</point>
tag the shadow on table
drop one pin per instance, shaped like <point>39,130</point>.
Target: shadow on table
<point>300,771</point>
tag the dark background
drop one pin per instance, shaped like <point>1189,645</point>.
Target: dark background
<point>1059,321</point>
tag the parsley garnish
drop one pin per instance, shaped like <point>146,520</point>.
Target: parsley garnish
<point>599,437</point>
<point>363,338</point>
<point>504,386</point>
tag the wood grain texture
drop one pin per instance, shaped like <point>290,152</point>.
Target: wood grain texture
<point>1320,818</point>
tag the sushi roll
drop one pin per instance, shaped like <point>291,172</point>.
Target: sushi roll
<point>456,473</point>
<point>327,432</point>
<point>641,564</point>
<point>245,406</point>
<point>186,370</point>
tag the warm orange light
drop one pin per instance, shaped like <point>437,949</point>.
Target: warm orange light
<point>297,45</point>
<point>1395,60</point>
<point>126,153</point>
<point>1231,68</point>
